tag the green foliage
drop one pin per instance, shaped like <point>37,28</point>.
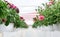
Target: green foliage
<point>11,16</point>
<point>51,13</point>
<point>3,9</point>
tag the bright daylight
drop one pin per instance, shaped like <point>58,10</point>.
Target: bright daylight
<point>29,18</point>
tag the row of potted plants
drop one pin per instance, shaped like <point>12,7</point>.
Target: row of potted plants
<point>49,16</point>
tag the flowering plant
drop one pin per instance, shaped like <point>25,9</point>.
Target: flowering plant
<point>9,14</point>
<point>50,15</point>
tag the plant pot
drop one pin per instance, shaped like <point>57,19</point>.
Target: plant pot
<point>2,27</point>
<point>8,28</point>
<point>46,28</point>
<point>56,27</point>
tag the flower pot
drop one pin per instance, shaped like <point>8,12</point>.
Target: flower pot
<point>45,28</point>
<point>2,27</point>
<point>56,27</point>
<point>8,28</point>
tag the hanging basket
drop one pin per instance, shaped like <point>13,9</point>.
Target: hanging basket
<point>8,28</point>
<point>56,27</point>
<point>45,28</point>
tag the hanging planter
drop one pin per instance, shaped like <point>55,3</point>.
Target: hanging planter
<point>56,27</point>
<point>10,27</point>
<point>2,27</point>
<point>9,17</point>
<point>45,28</point>
<point>49,16</point>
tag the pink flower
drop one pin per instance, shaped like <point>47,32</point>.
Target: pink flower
<point>41,17</point>
<point>50,3</point>
<point>21,17</point>
<point>12,6</point>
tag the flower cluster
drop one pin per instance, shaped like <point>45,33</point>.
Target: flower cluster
<point>50,15</point>
<point>9,14</point>
<point>12,6</point>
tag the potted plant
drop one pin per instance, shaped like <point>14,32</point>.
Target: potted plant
<point>9,16</point>
<point>49,16</point>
